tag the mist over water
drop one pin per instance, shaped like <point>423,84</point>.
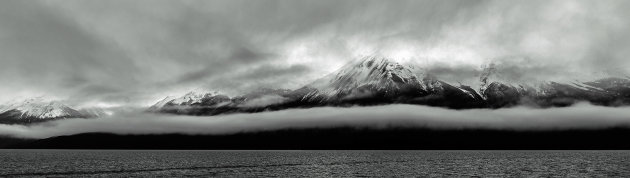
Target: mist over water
<point>580,116</point>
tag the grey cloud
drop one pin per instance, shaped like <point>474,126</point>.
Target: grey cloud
<point>43,50</point>
<point>140,49</point>
<point>265,101</point>
<point>582,116</point>
<point>255,77</point>
<point>240,58</point>
<point>454,74</point>
<point>248,54</point>
<point>270,72</point>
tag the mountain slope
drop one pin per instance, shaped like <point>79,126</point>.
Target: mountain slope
<point>376,80</point>
<point>36,110</point>
<point>370,80</point>
<point>500,92</point>
<point>377,74</point>
<point>193,103</point>
<point>380,80</point>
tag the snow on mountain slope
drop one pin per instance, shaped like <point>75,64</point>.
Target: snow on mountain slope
<point>193,98</point>
<point>490,77</point>
<point>376,80</point>
<point>500,91</point>
<point>161,103</point>
<point>368,74</point>
<point>37,109</point>
<point>190,98</point>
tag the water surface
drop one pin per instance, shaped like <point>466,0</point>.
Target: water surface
<point>123,163</point>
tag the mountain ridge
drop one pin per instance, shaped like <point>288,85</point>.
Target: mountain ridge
<point>376,80</point>
<point>36,110</point>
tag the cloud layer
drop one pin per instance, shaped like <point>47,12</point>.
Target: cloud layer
<point>136,52</point>
<point>582,116</point>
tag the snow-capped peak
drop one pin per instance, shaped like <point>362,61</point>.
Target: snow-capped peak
<point>375,71</point>
<point>39,108</point>
<point>191,97</point>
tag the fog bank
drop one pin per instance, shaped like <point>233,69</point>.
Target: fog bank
<point>581,116</point>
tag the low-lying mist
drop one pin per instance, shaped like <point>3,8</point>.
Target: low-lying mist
<point>581,116</point>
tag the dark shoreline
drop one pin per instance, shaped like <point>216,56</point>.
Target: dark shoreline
<point>344,139</point>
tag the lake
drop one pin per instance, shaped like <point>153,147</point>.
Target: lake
<point>141,163</point>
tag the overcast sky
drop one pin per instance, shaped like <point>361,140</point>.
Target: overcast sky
<point>137,52</point>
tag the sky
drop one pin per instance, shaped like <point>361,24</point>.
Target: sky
<point>119,52</point>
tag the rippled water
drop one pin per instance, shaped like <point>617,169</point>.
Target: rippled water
<point>97,163</point>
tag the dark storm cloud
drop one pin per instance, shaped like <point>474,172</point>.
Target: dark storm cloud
<point>140,51</point>
<point>582,116</point>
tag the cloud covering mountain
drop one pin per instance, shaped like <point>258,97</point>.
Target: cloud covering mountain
<point>135,52</point>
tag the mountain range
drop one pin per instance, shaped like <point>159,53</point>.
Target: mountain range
<point>376,80</point>
<point>372,80</point>
<point>36,110</point>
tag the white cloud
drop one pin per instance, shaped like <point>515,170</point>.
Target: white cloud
<point>580,116</point>
<point>265,100</point>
